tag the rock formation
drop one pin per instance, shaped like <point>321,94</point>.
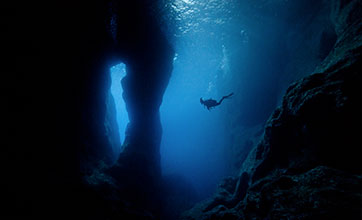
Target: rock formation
<point>59,131</point>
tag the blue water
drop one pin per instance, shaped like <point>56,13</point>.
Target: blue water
<point>117,73</point>
<point>193,142</point>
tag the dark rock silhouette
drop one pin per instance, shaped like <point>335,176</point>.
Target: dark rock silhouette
<point>60,136</point>
<point>307,164</point>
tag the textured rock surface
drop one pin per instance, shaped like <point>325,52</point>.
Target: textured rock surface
<point>300,36</point>
<point>307,165</point>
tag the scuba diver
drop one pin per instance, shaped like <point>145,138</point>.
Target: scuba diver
<point>211,103</point>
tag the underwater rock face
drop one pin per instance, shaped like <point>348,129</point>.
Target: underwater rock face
<point>132,188</point>
<point>307,165</point>
<point>300,36</point>
<point>59,119</point>
<point>149,58</point>
<point>136,176</point>
<point>57,82</point>
<point>143,86</point>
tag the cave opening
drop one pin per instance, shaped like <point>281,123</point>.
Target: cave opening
<point>117,72</point>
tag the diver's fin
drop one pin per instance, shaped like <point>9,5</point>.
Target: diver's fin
<point>225,97</point>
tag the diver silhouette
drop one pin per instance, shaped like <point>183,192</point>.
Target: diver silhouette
<point>211,103</point>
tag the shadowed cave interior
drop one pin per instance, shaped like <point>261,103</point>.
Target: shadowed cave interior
<point>102,116</point>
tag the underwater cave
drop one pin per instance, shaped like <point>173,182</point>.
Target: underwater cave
<point>182,109</point>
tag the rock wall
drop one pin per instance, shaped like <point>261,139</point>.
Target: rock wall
<point>307,164</point>
<point>55,82</point>
<point>58,126</point>
<point>286,40</point>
